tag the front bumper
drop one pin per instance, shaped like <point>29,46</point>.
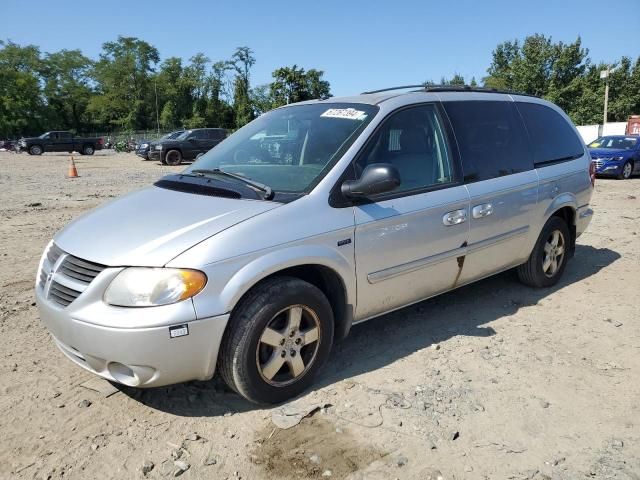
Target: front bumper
<point>144,153</point>
<point>608,168</point>
<point>138,357</point>
<point>155,155</point>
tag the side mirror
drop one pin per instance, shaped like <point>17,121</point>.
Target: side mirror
<point>192,139</point>
<point>376,178</point>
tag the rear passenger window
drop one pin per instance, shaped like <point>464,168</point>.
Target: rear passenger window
<point>552,138</point>
<point>491,138</point>
<point>216,134</point>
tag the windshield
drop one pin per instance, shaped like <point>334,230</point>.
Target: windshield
<point>290,149</point>
<point>619,143</point>
<point>45,135</point>
<point>183,135</point>
<point>172,135</point>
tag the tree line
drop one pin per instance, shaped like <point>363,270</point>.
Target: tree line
<point>564,74</point>
<point>130,88</point>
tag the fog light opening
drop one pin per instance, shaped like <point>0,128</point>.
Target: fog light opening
<point>123,374</point>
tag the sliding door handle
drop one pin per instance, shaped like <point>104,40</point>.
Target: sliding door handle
<point>480,211</point>
<point>455,218</point>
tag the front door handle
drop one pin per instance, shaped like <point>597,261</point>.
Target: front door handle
<point>483,210</point>
<point>455,217</point>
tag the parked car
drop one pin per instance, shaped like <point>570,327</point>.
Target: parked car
<point>186,146</point>
<point>60,141</point>
<point>616,155</point>
<point>142,148</point>
<point>266,252</point>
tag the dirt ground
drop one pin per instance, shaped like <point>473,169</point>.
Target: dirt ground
<point>492,381</point>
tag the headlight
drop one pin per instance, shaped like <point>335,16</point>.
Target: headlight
<point>616,159</point>
<point>158,147</point>
<point>144,145</point>
<point>150,287</point>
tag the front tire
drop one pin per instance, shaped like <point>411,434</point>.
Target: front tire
<point>627,169</point>
<point>277,339</point>
<point>548,259</point>
<point>173,157</point>
<point>35,150</point>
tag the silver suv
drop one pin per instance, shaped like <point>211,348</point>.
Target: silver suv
<point>310,219</point>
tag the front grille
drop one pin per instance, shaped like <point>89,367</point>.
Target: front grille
<point>598,162</point>
<point>68,279</point>
<point>80,269</point>
<point>61,294</point>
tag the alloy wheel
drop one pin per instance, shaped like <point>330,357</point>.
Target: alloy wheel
<point>554,251</point>
<point>288,345</point>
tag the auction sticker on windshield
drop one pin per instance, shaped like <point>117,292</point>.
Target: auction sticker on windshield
<point>349,113</point>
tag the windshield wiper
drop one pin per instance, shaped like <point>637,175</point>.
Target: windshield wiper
<point>266,189</point>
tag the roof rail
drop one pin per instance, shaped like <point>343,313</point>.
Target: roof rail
<point>467,88</point>
<point>450,88</point>
<point>393,88</point>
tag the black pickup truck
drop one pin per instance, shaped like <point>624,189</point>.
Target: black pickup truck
<point>60,142</point>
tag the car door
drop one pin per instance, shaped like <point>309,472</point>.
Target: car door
<point>501,180</point>
<point>213,136</point>
<point>194,144</point>
<point>408,242</point>
<point>53,143</point>
<point>64,142</point>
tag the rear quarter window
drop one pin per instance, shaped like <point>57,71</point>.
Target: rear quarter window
<point>491,138</point>
<point>552,137</point>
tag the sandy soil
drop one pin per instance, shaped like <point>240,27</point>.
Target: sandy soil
<point>493,381</point>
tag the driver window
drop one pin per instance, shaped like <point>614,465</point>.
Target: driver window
<point>413,141</point>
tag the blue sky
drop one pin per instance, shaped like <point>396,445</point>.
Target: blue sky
<point>360,45</point>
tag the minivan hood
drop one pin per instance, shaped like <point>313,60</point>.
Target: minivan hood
<point>152,226</point>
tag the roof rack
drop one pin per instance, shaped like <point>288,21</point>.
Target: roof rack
<point>393,88</point>
<point>450,88</point>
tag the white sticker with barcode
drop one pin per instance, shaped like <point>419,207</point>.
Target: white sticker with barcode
<point>348,113</point>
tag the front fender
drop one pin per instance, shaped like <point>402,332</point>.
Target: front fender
<point>273,262</point>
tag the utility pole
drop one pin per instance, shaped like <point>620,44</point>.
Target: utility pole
<point>604,74</point>
<point>155,87</point>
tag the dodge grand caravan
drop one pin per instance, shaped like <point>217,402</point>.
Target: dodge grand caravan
<point>312,218</point>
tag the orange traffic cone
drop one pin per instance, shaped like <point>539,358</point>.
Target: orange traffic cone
<point>73,171</point>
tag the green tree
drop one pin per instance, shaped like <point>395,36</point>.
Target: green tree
<point>242,60</point>
<point>293,84</point>
<point>22,109</point>
<point>123,76</point>
<point>67,89</point>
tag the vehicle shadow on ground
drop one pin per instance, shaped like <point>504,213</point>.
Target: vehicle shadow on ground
<point>467,311</point>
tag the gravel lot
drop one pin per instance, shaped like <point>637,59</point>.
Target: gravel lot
<point>492,381</point>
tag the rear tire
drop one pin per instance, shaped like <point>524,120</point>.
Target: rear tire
<point>173,157</point>
<point>88,150</point>
<point>35,150</point>
<point>627,169</point>
<point>277,339</point>
<point>548,259</point>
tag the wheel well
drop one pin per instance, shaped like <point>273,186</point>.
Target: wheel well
<point>568,214</point>
<point>330,283</point>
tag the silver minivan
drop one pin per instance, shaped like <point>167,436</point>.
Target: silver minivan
<point>312,218</point>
